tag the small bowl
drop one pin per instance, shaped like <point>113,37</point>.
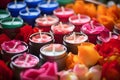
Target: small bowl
<point>4,14</point>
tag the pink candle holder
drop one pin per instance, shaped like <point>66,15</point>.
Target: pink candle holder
<point>92,30</point>
<point>54,53</point>
<point>45,22</point>
<point>36,42</point>
<point>63,13</point>
<point>73,40</point>
<point>78,21</point>
<point>11,48</point>
<point>61,29</point>
<point>23,62</point>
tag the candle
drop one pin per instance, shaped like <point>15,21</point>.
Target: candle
<point>29,15</point>
<point>92,30</point>
<point>47,7</point>
<point>15,7</point>
<point>4,14</point>
<point>37,40</point>
<point>13,47</point>
<point>11,26</point>
<point>63,13</point>
<point>61,29</point>
<point>54,52</point>
<point>32,3</point>
<point>117,28</point>
<point>73,40</point>
<point>78,21</point>
<point>23,62</point>
<point>64,2</point>
<point>106,36</point>
<point>45,22</point>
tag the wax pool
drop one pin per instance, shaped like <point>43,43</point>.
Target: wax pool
<point>63,13</point>
<point>4,14</point>
<point>60,29</point>
<point>45,22</point>
<point>78,21</point>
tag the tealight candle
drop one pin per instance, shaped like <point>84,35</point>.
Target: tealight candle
<point>64,2</point>
<point>15,7</point>
<point>29,15</point>
<point>4,14</point>
<point>92,30</point>
<point>63,13</point>
<point>73,40</point>
<point>13,47</point>
<point>61,29</point>
<point>78,21</point>
<point>47,7</point>
<point>37,40</point>
<point>54,52</point>
<point>106,37</point>
<point>11,26</point>
<point>32,3</point>
<point>45,22</point>
<point>22,62</point>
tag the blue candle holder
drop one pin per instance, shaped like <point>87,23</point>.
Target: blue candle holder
<point>15,8</point>
<point>32,3</point>
<point>48,9</point>
<point>29,17</point>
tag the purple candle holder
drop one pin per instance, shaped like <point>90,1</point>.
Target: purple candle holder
<point>14,8</point>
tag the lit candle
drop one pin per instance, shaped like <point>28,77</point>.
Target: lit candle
<point>15,7</point>
<point>47,7</point>
<point>37,40</point>
<point>29,15</point>
<point>92,29</point>
<point>78,21</point>
<point>61,29</point>
<point>13,47</point>
<point>32,3</point>
<point>54,53</point>
<point>45,22</point>
<point>63,13</point>
<point>72,41</point>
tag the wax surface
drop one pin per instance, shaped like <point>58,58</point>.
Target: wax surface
<point>3,15</point>
<point>21,61</point>
<point>37,38</point>
<point>48,50</point>
<point>48,6</point>
<point>12,23</point>
<point>31,13</point>
<point>16,6</point>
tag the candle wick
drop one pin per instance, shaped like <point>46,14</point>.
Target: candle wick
<point>74,36</point>
<point>40,34</point>
<point>14,46</point>
<point>26,59</point>
<point>27,10</point>
<point>45,16</point>
<point>91,23</point>
<point>13,19</point>
<point>53,49</point>
<point>79,18</point>
<point>48,2</point>
<point>110,35</point>
<point>61,25</point>
<point>15,1</point>
<point>63,9</point>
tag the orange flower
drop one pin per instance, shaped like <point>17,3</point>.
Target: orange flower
<point>69,6</point>
<point>101,10</point>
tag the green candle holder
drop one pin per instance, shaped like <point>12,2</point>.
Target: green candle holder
<point>11,26</point>
<point>64,2</point>
<point>4,14</point>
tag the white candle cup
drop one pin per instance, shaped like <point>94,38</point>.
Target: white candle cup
<point>72,44</point>
<point>35,43</point>
<point>57,55</point>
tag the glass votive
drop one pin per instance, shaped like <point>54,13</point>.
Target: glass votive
<point>60,29</point>
<point>11,26</point>
<point>11,48</point>
<point>48,8</point>
<point>63,13</point>
<point>65,2</point>
<point>45,22</point>
<point>4,14</point>
<point>32,3</point>
<point>54,53</point>
<point>29,16</point>
<point>37,40</point>
<point>22,62</point>
<point>92,30</point>
<point>73,40</point>
<point>78,21</point>
<point>14,8</point>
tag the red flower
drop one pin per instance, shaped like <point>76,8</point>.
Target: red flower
<point>110,48</point>
<point>5,72</point>
<point>111,70</point>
